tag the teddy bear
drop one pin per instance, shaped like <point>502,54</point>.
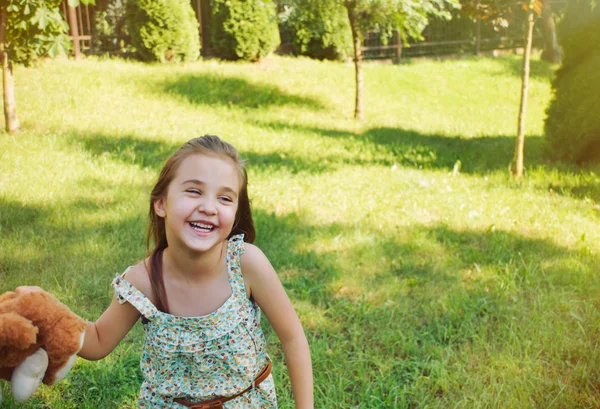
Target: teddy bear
<point>39,340</point>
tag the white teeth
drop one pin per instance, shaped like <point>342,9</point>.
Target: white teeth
<point>202,226</point>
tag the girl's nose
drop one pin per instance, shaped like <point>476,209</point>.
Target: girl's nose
<point>208,207</point>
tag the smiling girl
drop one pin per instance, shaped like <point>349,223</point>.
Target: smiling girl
<point>200,293</point>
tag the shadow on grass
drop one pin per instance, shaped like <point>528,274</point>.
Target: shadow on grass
<point>588,190</point>
<point>75,259</point>
<point>413,149</point>
<point>375,146</point>
<point>205,89</point>
<point>538,68</point>
<point>128,149</point>
<point>152,154</point>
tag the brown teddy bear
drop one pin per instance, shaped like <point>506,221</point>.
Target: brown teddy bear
<point>39,340</point>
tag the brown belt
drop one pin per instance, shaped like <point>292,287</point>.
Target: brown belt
<point>217,403</point>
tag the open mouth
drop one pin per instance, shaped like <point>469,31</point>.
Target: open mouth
<point>202,227</point>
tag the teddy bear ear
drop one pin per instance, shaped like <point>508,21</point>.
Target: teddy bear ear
<point>28,375</point>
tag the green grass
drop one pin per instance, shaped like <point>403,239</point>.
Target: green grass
<point>418,286</point>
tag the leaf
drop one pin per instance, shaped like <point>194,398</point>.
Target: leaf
<point>54,50</point>
<point>41,18</point>
<point>74,3</point>
<point>58,47</point>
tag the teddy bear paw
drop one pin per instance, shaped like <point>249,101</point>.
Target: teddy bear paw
<point>27,377</point>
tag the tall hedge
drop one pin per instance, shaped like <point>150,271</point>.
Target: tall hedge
<point>317,29</point>
<point>163,30</point>
<point>573,122</point>
<point>244,29</point>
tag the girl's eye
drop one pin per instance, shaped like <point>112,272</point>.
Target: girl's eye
<point>226,199</point>
<point>194,191</point>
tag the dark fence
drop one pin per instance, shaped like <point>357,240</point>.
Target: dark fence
<point>459,35</point>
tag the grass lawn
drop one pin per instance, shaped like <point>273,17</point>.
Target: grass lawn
<point>419,286</point>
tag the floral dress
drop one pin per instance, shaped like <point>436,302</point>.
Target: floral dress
<point>200,358</point>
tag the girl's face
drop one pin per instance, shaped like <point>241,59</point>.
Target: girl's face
<point>201,202</point>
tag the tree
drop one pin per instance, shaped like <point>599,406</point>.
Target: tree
<point>28,29</point>
<point>500,12</point>
<point>552,51</point>
<point>407,17</point>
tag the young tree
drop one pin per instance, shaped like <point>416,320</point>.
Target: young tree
<point>407,17</point>
<point>28,29</point>
<point>500,12</point>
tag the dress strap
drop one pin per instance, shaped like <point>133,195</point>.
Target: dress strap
<point>235,248</point>
<point>126,292</point>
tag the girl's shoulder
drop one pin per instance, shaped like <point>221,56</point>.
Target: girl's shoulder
<point>139,277</point>
<point>251,257</point>
<point>255,266</point>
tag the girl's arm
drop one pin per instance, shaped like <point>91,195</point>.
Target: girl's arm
<point>102,336</point>
<point>265,288</point>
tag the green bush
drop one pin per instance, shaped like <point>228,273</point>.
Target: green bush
<point>244,29</point>
<point>163,30</point>
<point>573,125</point>
<point>317,29</point>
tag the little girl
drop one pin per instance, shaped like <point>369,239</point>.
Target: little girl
<point>200,293</point>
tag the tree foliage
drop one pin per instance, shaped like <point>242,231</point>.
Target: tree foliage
<point>499,12</point>
<point>34,28</point>
<point>573,126</point>
<point>244,29</point>
<point>164,30</point>
<point>318,29</point>
<point>408,17</point>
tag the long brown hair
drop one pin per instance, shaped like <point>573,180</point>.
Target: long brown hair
<point>243,224</point>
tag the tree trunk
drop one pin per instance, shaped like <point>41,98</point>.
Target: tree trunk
<point>71,12</point>
<point>10,108</point>
<point>357,41</point>
<point>478,37</point>
<point>552,51</point>
<point>398,49</point>
<point>517,170</point>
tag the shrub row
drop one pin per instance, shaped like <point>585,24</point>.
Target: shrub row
<point>167,30</point>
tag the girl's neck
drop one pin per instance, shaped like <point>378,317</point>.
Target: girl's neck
<point>187,266</point>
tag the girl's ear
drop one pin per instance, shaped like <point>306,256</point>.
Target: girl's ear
<point>159,207</point>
